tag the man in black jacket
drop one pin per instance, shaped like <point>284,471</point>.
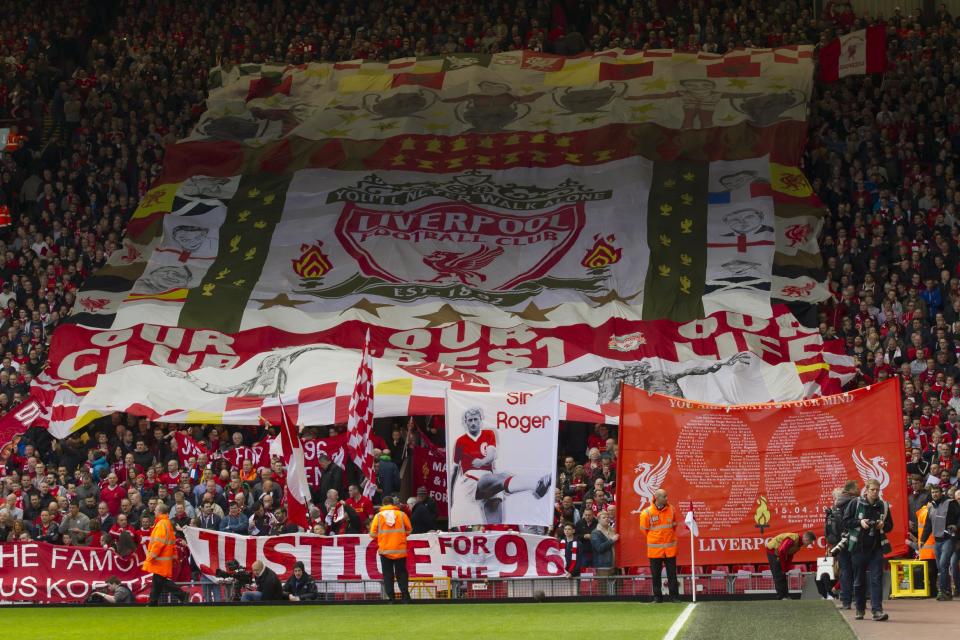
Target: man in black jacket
<point>300,586</point>
<point>332,477</point>
<point>867,521</point>
<point>844,560</point>
<point>943,519</point>
<point>423,516</point>
<point>269,588</point>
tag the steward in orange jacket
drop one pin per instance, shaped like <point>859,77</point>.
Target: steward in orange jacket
<point>659,521</point>
<point>390,528</point>
<point>161,556</point>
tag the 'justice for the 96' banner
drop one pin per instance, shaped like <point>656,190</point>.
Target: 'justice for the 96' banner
<point>501,450</point>
<point>354,557</point>
<point>755,471</point>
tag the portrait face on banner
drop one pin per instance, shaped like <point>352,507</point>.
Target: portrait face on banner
<point>501,449</point>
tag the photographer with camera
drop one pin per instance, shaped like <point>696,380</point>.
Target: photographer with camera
<point>943,519</point>
<point>300,586</point>
<point>235,578</point>
<point>116,593</point>
<point>836,536</point>
<point>867,521</point>
<point>269,588</point>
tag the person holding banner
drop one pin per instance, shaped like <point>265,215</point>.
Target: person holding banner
<point>390,528</point>
<point>868,520</point>
<point>780,552</point>
<point>659,520</point>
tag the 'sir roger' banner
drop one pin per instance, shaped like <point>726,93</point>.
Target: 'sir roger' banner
<point>501,455</point>
<point>754,471</point>
<point>41,572</point>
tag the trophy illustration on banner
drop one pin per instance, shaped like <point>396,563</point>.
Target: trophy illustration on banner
<point>762,515</point>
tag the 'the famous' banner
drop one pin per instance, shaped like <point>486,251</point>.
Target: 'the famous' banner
<point>754,471</point>
<point>430,473</point>
<point>501,454</point>
<point>41,572</point>
<point>354,557</point>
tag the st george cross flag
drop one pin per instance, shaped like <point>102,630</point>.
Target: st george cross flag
<point>856,53</point>
<point>297,491</point>
<point>360,420</point>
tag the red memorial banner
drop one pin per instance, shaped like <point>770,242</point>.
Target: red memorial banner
<point>430,473</point>
<point>41,572</point>
<point>754,471</point>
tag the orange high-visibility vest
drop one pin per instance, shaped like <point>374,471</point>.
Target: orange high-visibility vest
<point>162,548</point>
<point>927,548</point>
<point>660,525</point>
<point>390,528</point>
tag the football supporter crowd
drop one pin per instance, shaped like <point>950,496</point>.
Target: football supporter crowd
<point>93,91</point>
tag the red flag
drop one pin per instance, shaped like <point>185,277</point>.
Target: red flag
<point>297,491</point>
<point>360,420</point>
<point>14,423</point>
<point>856,53</point>
<point>5,219</point>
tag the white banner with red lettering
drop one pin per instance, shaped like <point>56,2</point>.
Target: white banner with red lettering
<point>354,557</point>
<point>501,456</point>
<point>42,572</point>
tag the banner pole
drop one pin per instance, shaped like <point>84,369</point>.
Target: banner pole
<point>693,562</point>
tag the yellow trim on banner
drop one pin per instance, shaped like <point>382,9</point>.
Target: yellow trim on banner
<point>77,390</point>
<point>395,387</point>
<point>363,82</point>
<point>85,419</point>
<point>805,368</point>
<point>575,75</point>
<point>206,417</point>
<point>174,294</point>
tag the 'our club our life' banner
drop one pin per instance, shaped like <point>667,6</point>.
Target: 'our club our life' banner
<point>751,472</point>
<point>354,557</point>
<point>501,454</point>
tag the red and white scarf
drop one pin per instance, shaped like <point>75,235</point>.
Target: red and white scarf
<point>573,553</point>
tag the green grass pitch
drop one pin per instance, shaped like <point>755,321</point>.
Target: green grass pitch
<point>608,620</point>
<point>381,622</point>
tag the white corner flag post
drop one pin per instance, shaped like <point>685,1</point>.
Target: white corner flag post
<point>691,523</point>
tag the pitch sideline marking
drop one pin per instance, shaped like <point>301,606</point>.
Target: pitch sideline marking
<point>677,625</point>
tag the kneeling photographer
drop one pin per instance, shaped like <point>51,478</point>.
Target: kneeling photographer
<point>300,586</point>
<point>116,593</point>
<point>269,588</point>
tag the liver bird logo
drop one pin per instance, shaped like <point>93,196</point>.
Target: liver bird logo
<point>465,268</point>
<point>649,478</point>
<point>874,468</point>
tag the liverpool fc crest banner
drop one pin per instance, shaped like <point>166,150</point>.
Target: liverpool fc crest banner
<point>518,216</point>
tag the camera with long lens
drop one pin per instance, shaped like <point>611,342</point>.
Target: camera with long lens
<point>840,546</point>
<point>236,577</point>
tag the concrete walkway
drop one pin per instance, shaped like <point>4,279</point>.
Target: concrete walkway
<point>909,618</point>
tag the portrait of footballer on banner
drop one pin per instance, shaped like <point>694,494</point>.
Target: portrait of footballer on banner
<point>499,457</point>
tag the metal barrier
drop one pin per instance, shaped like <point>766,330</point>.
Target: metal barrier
<point>720,585</point>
